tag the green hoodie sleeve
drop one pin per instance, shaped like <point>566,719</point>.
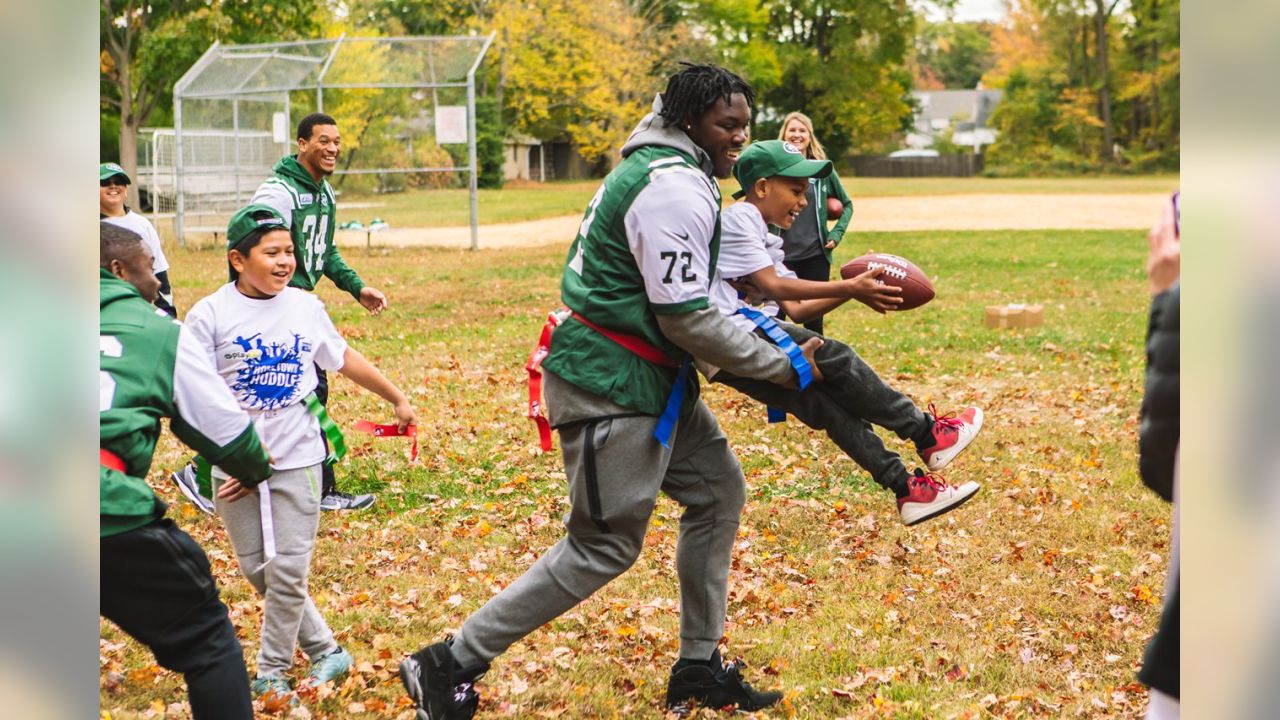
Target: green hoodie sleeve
<point>836,190</point>
<point>337,270</point>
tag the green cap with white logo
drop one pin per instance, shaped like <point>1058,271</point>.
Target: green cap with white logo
<point>248,220</point>
<point>109,170</point>
<point>773,158</point>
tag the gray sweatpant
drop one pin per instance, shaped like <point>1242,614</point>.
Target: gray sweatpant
<point>850,398</point>
<point>289,617</point>
<point>615,469</point>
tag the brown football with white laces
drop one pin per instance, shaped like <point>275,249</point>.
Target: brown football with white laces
<point>898,272</point>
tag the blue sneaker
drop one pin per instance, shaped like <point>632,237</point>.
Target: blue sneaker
<point>266,685</point>
<point>331,666</point>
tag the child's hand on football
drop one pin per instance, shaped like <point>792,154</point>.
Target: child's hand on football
<point>868,290</point>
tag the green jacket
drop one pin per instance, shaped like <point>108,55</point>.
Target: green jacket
<point>312,212</point>
<point>147,371</point>
<point>603,283</point>
<point>830,186</point>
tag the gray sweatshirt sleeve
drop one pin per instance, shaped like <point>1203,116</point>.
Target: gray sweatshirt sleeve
<point>714,339</point>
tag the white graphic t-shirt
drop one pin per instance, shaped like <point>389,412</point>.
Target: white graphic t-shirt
<point>266,351</point>
<point>745,247</point>
<point>135,222</point>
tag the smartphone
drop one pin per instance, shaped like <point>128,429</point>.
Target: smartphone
<point>1177,215</point>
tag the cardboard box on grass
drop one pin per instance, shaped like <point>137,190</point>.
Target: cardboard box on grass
<point>1014,316</point>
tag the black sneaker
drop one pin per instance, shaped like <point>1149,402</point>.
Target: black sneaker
<point>439,688</point>
<point>718,686</point>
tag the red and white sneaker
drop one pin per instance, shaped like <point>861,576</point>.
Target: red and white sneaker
<point>931,496</point>
<point>951,434</point>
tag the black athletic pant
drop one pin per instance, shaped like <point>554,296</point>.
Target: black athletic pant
<point>817,268</point>
<point>157,586</point>
<point>328,483</point>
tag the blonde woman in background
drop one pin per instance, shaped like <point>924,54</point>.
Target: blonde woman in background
<point>808,243</point>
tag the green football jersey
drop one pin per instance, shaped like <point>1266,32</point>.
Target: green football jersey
<point>646,246</point>
<point>311,210</point>
<point>149,370</point>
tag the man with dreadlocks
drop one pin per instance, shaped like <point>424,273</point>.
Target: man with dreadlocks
<point>620,392</point>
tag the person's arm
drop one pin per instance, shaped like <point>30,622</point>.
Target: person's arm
<point>710,336</point>
<point>836,189</point>
<point>819,298</point>
<point>164,300</point>
<point>363,373</point>
<point>346,278</point>
<point>332,353</point>
<point>208,418</point>
<point>342,275</point>
<point>1159,426</point>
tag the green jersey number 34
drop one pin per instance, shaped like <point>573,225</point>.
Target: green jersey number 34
<point>313,236</point>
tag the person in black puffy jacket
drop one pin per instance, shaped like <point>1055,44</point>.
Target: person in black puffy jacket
<point>1158,451</point>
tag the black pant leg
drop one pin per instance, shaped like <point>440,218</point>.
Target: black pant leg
<point>816,268</point>
<point>856,387</point>
<point>157,586</point>
<point>820,411</point>
<point>328,482</point>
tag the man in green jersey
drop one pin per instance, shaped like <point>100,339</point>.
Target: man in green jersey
<point>156,584</point>
<point>300,191</point>
<point>619,390</point>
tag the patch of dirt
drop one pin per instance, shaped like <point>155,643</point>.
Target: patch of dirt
<point>875,214</point>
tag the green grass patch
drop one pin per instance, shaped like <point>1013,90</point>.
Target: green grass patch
<point>1032,600</point>
<point>532,201</point>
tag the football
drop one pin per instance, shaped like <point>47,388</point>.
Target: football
<point>835,208</point>
<point>899,272</point>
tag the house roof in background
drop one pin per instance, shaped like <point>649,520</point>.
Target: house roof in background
<point>944,105</point>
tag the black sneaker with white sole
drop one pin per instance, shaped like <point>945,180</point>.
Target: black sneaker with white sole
<point>338,500</point>
<point>439,688</point>
<point>718,685</point>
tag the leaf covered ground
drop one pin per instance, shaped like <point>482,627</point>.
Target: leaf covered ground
<point>1034,600</point>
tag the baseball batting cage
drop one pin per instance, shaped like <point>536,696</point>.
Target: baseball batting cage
<point>405,107</point>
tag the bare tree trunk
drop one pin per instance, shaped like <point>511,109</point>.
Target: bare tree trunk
<point>1156,140</point>
<point>128,134</point>
<point>1104,79</point>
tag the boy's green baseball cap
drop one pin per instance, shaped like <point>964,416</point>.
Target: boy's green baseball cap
<point>244,223</point>
<point>770,158</point>
<point>250,218</point>
<point>107,170</point>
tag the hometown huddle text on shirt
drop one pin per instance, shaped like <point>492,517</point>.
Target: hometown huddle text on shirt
<point>266,351</point>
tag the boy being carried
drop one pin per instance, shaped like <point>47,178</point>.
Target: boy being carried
<point>265,339</point>
<point>774,176</point>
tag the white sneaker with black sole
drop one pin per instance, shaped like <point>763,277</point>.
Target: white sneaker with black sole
<point>338,500</point>
<point>185,479</point>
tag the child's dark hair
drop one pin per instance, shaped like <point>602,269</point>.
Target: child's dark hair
<point>693,90</point>
<point>117,243</point>
<point>308,123</point>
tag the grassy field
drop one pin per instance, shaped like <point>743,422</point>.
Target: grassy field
<point>1034,600</point>
<point>530,201</point>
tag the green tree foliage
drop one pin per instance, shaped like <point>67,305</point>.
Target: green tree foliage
<point>1089,85</point>
<point>147,45</point>
<point>952,54</point>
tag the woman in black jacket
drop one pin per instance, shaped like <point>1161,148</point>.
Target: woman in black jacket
<point>807,245</point>
<point>1158,438</point>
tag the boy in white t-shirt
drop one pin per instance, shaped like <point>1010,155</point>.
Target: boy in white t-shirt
<point>774,176</point>
<point>265,340</point>
<point>113,183</point>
